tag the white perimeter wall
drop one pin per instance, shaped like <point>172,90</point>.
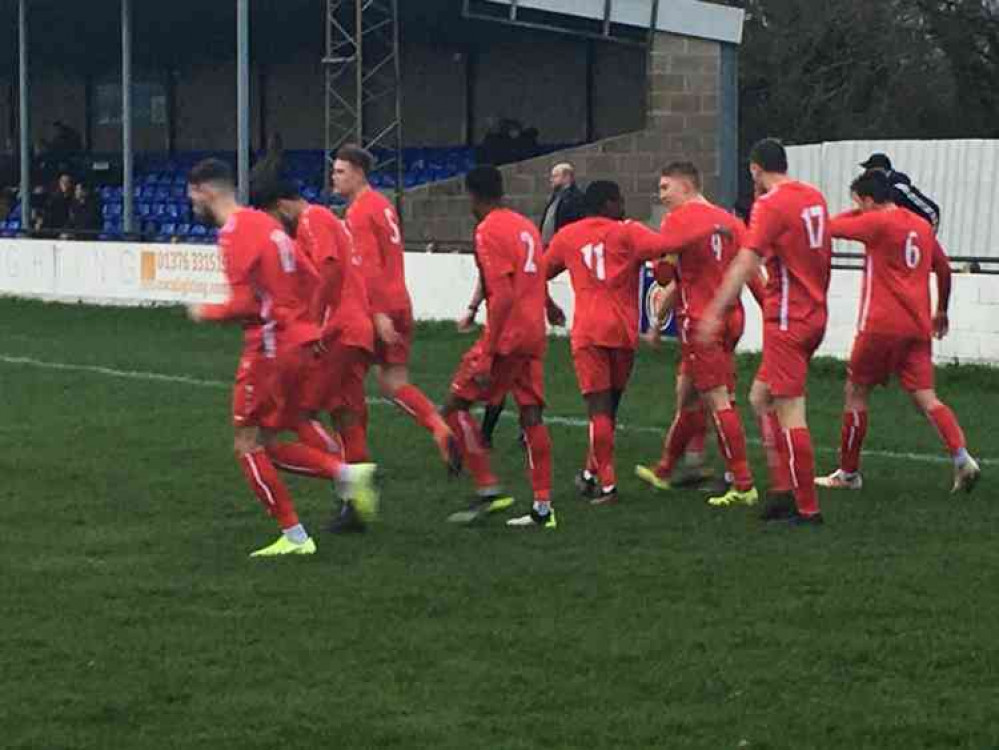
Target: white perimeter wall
<point>962,176</point>
<point>130,274</point>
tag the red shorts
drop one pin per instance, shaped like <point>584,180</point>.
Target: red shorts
<point>521,375</point>
<point>600,368</point>
<point>396,354</point>
<point>786,356</point>
<point>877,357</point>
<point>267,391</point>
<point>335,380</point>
<point>712,366</point>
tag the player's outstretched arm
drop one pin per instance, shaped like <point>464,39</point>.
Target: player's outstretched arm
<point>242,304</point>
<point>743,268</point>
<point>853,225</point>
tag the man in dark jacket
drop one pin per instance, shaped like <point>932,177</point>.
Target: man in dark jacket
<point>85,211</point>
<point>58,204</point>
<point>903,192</point>
<point>565,205</point>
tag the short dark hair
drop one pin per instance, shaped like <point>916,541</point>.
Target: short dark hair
<point>269,184</point>
<point>213,171</point>
<point>358,156</point>
<point>770,156</point>
<point>872,184</point>
<point>599,193</point>
<point>685,169</point>
<point>485,182</point>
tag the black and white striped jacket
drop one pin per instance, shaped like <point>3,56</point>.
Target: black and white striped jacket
<point>909,197</point>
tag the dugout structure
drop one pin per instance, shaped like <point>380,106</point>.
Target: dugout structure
<point>638,82</point>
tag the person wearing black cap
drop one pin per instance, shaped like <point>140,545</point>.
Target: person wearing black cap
<point>903,192</point>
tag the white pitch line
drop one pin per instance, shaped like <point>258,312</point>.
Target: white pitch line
<point>553,419</point>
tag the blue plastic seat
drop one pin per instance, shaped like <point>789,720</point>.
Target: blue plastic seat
<point>159,210</point>
<point>144,209</point>
<point>167,230</point>
<point>182,230</point>
<point>199,230</point>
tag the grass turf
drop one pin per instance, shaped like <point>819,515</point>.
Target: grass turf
<point>132,618</point>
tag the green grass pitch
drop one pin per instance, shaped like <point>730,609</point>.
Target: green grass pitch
<point>132,619</point>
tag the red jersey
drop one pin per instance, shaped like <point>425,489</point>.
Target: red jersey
<point>374,225</point>
<point>790,229</point>
<point>271,283</point>
<point>901,253</point>
<point>701,265</point>
<point>605,258</point>
<point>508,253</point>
<point>342,300</point>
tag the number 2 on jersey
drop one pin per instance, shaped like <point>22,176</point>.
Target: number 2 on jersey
<point>815,224</point>
<point>593,257</point>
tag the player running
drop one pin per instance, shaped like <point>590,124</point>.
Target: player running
<point>790,230</point>
<point>269,281</point>
<point>509,356</point>
<point>604,255</point>
<point>706,380</point>
<point>334,382</point>
<point>374,225</point>
<point>896,327</point>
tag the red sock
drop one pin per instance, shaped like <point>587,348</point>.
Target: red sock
<point>802,468</point>
<point>592,467</point>
<point>687,425</point>
<point>355,439</point>
<point>732,442</point>
<point>699,437</point>
<point>851,440</point>
<point>539,460</point>
<point>473,450</point>
<point>268,487</point>
<point>299,458</point>
<point>776,449</point>
<point>315,435</point>
<point>950,431</point>
<point>410,399</point>
<point>602,448</point>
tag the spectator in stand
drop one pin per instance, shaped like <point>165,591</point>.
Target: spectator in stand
<point>565,205</point>
<point>903,192</point>
<point>85,211</point>
<point>55,216</point>
<point>65,142</point>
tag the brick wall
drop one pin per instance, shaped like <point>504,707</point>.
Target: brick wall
<point>681,121</point>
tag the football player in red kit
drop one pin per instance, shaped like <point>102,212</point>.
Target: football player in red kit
<point>789,230</point>
<point>895,328</point>
<point>707,371</point>
<point>270,283</point>
<point>334,381</point>
<point>509,356</point>
<point>604,255</point>
<point>377,234</point>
